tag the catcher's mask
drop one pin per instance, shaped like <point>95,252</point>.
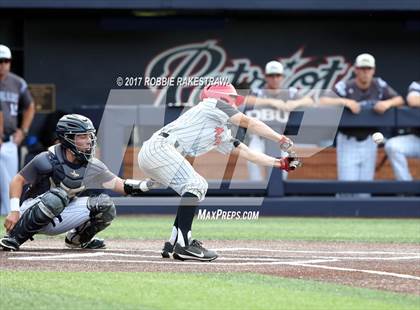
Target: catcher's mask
<point>226,93</point>
<point>72,127</point>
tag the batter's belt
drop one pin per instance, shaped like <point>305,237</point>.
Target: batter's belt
<point>174,142</point>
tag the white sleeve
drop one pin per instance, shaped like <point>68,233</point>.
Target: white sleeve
<point>340,89</point>
<point>414,89</point>
<point>226,147</point>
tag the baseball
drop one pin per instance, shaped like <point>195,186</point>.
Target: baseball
<point>378,137</point>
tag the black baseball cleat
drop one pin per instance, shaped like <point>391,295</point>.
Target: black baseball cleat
<point>93,244</point>
<point>194,251</point>
<point>167,250</point>
<point>9,244</point>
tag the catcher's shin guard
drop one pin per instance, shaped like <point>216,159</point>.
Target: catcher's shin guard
<point>102,212</point>
<point>39,215</point>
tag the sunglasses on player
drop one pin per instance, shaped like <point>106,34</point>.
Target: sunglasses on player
<point>5,60</point>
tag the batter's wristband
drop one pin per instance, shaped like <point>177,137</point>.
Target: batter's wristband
<point>14,204</point>
<point>135,187</point>
<point>283,163</point>
<point>285,143</point>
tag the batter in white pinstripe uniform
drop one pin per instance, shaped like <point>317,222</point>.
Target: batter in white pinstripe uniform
<point>199,130</point>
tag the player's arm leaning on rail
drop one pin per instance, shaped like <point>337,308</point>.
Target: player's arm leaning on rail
<point>274,94</point>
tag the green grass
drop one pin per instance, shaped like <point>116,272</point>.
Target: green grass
<point>49,290</point>
<point>120,290</point>
<point>274,228</point>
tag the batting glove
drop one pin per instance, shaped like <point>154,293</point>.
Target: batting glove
<point>290,162</point>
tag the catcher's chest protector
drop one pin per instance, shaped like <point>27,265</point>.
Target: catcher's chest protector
<point>69,178</point>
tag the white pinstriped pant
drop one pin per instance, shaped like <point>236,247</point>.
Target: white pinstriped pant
<point>74,215</point>
<point>398,149</point>
<point>356,160</point>
<point>160,161</point>
<point>8,169</point>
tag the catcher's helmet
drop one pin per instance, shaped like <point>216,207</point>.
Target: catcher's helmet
<point>71,125</point>
<point>225,92</point>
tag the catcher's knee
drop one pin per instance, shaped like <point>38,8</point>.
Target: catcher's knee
<point>43,209</point>
<point>102,212</point>
<point>53,202</point>
<point>102,208</point>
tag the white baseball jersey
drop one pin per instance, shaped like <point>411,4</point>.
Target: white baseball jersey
<point>199,130</point>
<point>203,128</point>
<point>266,113</point>
<point>414,88</point>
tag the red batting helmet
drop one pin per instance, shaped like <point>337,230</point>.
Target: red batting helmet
<point>225,92</point>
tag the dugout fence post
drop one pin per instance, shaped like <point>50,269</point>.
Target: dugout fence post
<point>275,186</point>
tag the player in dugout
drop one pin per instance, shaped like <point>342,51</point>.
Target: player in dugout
<point>407,145</point>
<point>356,151</point>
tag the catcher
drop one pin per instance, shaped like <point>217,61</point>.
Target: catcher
<point>55,181</point>
<point>199,130</point>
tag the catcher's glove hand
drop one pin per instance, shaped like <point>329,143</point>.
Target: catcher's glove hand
<point>138,187</point>
<point>290,162</point>
<point>285,143</point>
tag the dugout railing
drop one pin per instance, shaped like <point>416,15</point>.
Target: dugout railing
<point>290,197</point>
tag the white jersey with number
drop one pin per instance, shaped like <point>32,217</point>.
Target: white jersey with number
<point>197,131</point>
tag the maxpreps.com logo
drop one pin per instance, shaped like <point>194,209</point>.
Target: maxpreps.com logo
<point>310,74</point>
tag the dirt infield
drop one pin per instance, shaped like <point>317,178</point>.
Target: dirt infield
<point>392,267</point>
